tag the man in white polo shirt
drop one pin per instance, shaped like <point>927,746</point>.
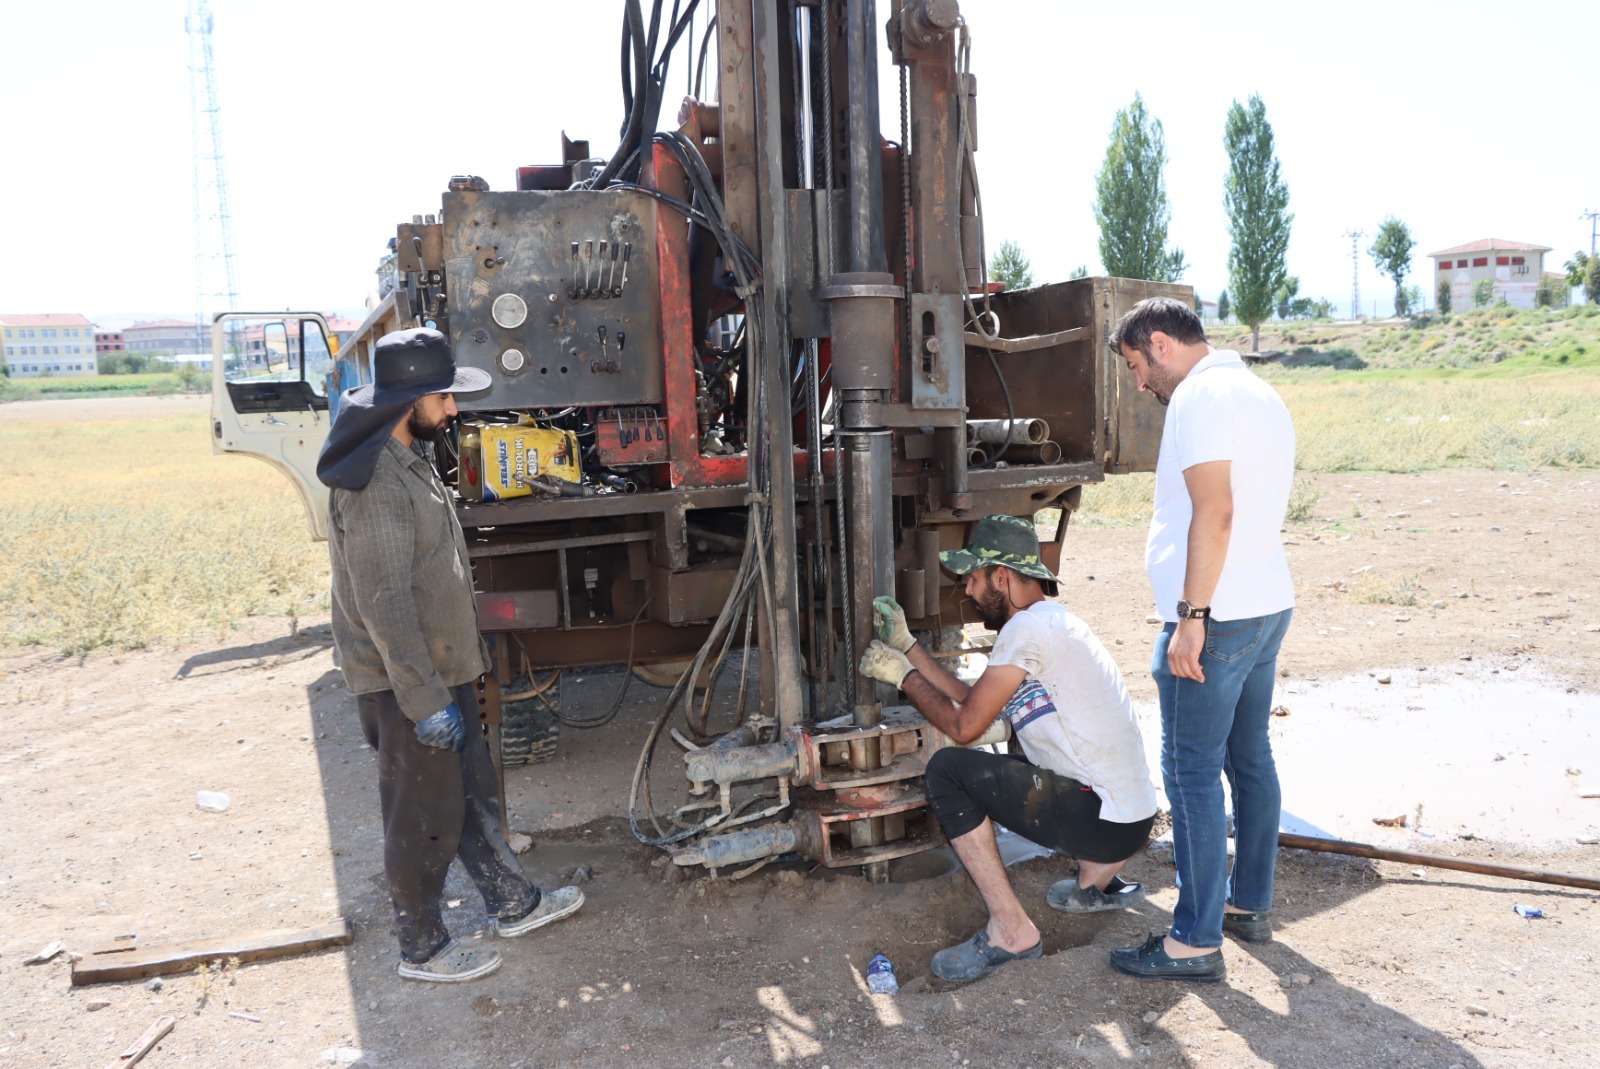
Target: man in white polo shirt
<point>1216,562</point>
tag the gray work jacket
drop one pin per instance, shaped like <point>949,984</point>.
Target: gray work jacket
<point>404,617</point>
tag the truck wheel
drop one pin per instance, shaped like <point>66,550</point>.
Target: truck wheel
<point>529,730</point>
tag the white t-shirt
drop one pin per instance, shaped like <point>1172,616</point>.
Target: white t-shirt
<point>1222,411</point>
<point>1072,714</point>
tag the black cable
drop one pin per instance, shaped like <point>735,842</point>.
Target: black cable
<point>616,703</point>
<point>700,67</point>
<point>634,23</point>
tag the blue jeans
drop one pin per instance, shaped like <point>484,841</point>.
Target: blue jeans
<point>1209,730</point>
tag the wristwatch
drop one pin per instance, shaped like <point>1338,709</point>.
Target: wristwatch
<point>1193,612</point>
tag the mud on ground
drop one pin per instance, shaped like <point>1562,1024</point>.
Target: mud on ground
<point>1376,964</point>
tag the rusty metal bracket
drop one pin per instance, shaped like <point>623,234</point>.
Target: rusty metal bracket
<point>1026,344</point>
<point>826,819</point>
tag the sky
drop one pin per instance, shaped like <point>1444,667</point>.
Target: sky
<point>1466,120</point>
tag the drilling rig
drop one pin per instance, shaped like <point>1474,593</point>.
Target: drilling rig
<point>748,374</point>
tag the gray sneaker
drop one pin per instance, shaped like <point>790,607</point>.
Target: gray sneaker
<point>553,905</point>
<point>1068,897</point>
<point>453,963</point>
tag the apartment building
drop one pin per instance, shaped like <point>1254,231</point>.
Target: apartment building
<point>51,344</point>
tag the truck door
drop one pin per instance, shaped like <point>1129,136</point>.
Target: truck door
<point>270,377</point>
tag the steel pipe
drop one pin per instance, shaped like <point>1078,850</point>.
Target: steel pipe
<point>1043,453</point>
<point>1019,431</point>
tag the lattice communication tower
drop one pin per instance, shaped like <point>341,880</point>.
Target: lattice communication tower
<point>214,280</point>
<point>1355,237</point>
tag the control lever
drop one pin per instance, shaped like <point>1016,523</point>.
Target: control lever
<point>627,251</point>
<point>622,339</point>
<point>572,290</point>
<point>599,269</point>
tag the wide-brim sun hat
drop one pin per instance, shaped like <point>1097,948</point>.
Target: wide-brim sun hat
<point>1007,541</point>
<point>408,364</point>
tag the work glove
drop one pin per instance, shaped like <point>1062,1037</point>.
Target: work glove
<point>885,664</point>
<point>443,730</point>
<point>889,621</point>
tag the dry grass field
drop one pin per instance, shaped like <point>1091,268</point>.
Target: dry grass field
<point>1363,421</point>
<point>129,532</point>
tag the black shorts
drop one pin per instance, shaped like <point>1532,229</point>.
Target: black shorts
<point>965,786</point>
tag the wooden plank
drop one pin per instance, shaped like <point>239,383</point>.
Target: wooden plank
<point>179,957</point>
<point>145,1043</point>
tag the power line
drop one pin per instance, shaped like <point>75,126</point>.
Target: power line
<point>213,224</point>
<point>1355,237</point>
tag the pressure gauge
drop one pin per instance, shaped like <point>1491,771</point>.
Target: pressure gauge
<point>513,361</point>
<point>509,311</point>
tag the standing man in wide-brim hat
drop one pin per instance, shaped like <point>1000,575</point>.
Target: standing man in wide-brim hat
<point>1082,789</point>
<point>405,626</point>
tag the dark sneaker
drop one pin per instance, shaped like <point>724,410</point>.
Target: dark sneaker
<point>553,905</point>
<point>1151,962</point>
<point>975,959</point>
<point>1248,927</point>
<point>1068,897</point>
<point>453,963</point>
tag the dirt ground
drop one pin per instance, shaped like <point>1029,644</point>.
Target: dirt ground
<point>1469,701</point>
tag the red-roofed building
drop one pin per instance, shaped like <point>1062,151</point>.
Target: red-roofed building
<point>1514,267</point>
<point>54,344</point>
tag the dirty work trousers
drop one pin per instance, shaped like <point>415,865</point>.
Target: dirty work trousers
<point>1056,811</point>
<point>439,805</point>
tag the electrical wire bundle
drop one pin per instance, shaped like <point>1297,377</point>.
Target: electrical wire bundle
<point>752,588</point>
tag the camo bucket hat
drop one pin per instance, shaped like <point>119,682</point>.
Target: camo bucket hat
<point>1009,541</point>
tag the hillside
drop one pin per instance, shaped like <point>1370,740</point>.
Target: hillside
<point>1505,339</point>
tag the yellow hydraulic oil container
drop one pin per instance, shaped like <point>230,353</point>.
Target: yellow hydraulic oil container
<point>498,460</point>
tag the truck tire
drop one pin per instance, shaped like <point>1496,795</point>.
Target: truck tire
<point>529,730</point>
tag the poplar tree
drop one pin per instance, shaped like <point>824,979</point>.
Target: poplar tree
<point>1010,267</point>
<point>1391,251</point>
<point>1131,202</point>
<point>1257,200</point>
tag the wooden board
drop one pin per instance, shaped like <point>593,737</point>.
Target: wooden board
<point>140,962</point>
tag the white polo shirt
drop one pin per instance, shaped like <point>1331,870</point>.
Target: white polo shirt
<point>1223,411</point>
<point>1072,714</point>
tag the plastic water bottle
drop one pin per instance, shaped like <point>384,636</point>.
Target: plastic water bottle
<point>880,976</point>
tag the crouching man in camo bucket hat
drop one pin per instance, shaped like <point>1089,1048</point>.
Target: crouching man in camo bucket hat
<point>1083,789</point>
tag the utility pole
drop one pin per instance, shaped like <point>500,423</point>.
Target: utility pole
<point>1594,223</point>
<point>1355,237</point>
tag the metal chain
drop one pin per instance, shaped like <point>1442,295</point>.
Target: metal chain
<point>905,177</point>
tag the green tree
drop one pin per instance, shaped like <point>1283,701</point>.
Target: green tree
<point>1322,309</point>
<point>190,377</point>
<point>1257,200</point>
<point>1284,298</point>
<point>1441,296</point>
<point>1223,307</point>
<point>1551,293</point>
<point>1483,292</point>
<point>1199,305</point>
<point>1081,271</point>
<point>1010,267</point>
<point>1391,251</point>
<point>1577,268</point>
<point>1413,296</point>
<point>1131,200</point>
<point>1591,281</point>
